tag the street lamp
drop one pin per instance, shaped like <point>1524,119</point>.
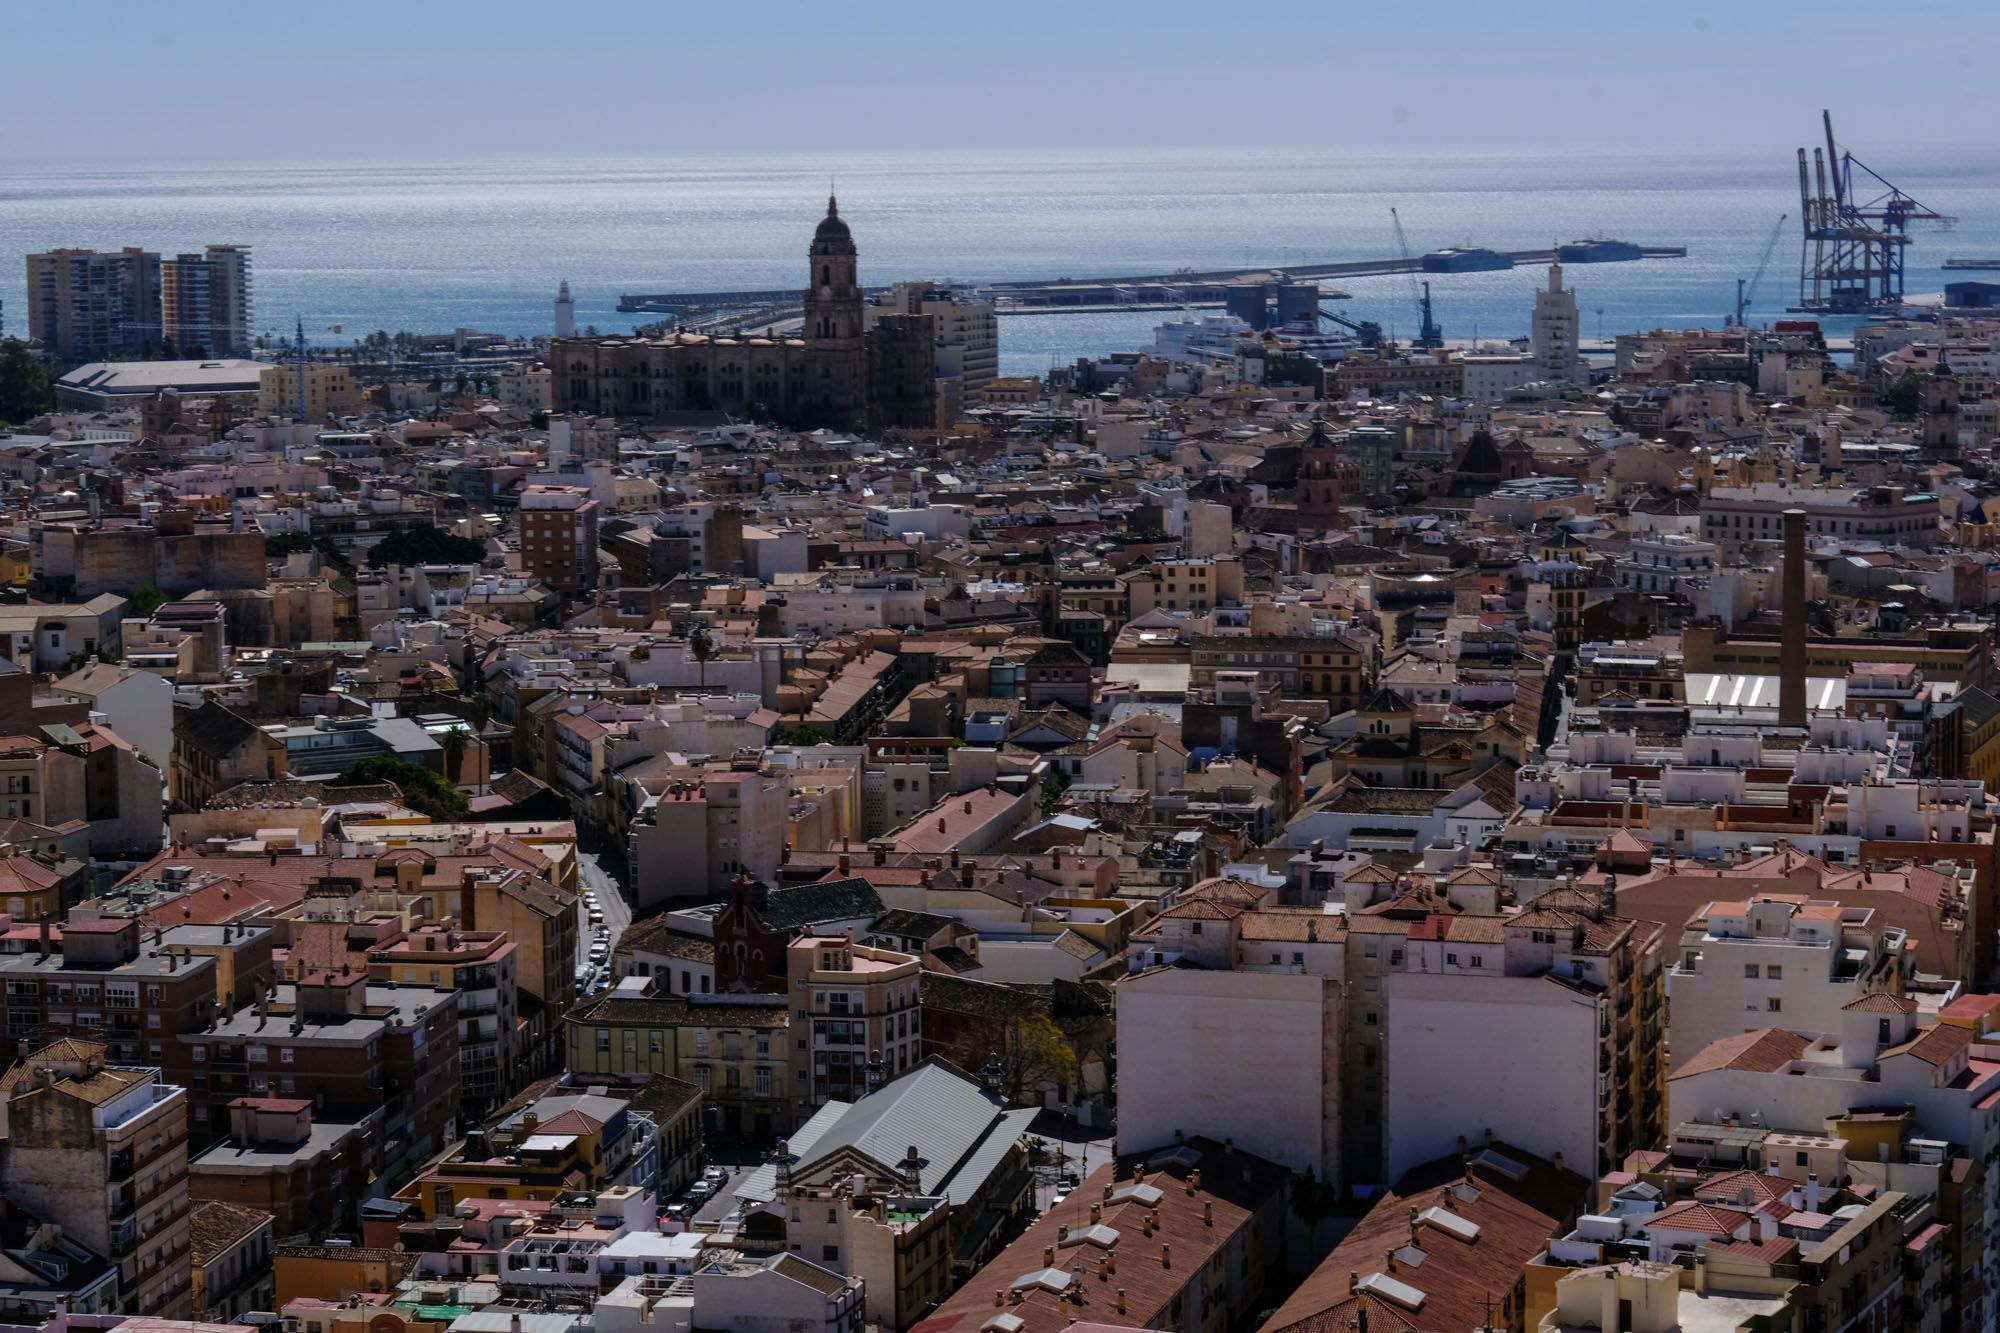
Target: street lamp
<point>875,1070</point>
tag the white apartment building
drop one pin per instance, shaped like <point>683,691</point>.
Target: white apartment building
<point>1776,960</point>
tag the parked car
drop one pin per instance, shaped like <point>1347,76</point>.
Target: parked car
<point>701,1191</point>
<point>718,1174</point>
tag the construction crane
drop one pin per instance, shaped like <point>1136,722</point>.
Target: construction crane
<point>1746,292</point>
<point>1851,250</point>
<point>1428,334</point>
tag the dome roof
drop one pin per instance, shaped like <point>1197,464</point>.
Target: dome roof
<point>831,228</point>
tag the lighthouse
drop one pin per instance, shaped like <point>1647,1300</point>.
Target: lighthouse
<point>565,312</point>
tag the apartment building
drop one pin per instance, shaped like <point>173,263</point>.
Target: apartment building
<point>1189,1236</point>
<point>480,966</point>
<point>559,537</point>
<point>1779,960</point>
<point>85,306</point>
<point>349,1046</point>
<point>331,391</point>
<point>738,1050</point>
<point>862,1005</point>
<point>100,1149</point>
<point>205,301</point>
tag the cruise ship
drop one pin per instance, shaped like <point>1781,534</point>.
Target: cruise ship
<point>1201,340</point>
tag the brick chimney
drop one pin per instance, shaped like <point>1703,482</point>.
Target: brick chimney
<point>1792,628</point>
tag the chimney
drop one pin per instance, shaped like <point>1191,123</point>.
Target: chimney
<point>1048,1256</point>
<point>999,1297</point>
<point>1121,1300</point>
<point>1792,631</point>
<point>1166,1255</point>
<point>1812,1193</point>
<point>1208,1212</point>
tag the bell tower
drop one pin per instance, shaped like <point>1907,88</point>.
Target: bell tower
<point>836,351</point>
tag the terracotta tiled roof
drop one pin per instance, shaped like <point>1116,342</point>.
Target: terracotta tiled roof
<point>1762,1051</point>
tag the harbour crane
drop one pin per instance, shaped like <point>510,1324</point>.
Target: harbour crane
<point>1428,334</point>
<point>1856,228</point>
<point>1747,292</point>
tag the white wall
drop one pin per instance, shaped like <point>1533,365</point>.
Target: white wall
<point>1465,1054</point>
<point>1248,1056</point>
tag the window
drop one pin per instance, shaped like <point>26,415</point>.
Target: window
<point>1750,971</point>
<point>1774,972</point>
<point>1773,1004</point>
<point>830,1253</point>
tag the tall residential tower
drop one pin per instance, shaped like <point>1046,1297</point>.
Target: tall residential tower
<point>205,301</point>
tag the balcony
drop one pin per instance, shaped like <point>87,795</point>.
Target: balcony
<point>120,1166</point>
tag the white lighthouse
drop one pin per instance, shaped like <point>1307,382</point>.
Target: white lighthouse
<point>565,312</point>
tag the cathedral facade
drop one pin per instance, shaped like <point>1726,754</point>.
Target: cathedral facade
<point>820,378</point>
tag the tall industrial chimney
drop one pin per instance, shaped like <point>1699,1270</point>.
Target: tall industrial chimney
<point>1792,630</point>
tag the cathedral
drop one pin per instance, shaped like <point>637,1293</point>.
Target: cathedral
<point>829,376</point>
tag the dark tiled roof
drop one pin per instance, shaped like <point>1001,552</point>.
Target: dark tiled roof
<point>812,904</point>
<point>214,729</point>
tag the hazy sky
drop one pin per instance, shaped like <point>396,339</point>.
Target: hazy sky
<point>138,80</point>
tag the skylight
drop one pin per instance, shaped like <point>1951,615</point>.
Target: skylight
<point>1402,1293</point>
<point>1500,1162</point>
<point>1464,1228</point>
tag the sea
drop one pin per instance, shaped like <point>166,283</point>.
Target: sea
<point>429,246</point>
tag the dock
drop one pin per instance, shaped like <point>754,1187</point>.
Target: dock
<point>1151,291</point>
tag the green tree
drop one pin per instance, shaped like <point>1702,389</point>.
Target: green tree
<point>1905,395</point>
<point>425,544</point>
<point>423,791</point>
<point>24,384</point>
<point>803,735</point>
<point>1038,1059</point>
<point>287,543</point>
<point>142,599</point>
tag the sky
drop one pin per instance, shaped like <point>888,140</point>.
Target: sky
<point>140,81</point>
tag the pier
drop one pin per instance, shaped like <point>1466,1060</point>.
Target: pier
<point>1154,291</point>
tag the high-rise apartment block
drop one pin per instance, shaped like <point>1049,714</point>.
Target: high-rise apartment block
<point>100,1150</point>
<point>559,537</point>
<point>205,301</point>
<point>85,306</point>
<point>966,336</point>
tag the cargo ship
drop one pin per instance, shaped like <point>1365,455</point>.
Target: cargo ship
<point>1978,265</point>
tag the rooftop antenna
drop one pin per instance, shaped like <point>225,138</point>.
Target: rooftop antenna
<point>299,365</point>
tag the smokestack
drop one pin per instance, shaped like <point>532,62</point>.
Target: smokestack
<point>1792,634</point>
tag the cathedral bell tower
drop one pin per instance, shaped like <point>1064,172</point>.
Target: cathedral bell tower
<point>836,352</point>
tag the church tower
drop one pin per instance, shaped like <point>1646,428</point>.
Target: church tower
<point>836,352</point>
<point>1319,483</point>
<point>1554,335</point>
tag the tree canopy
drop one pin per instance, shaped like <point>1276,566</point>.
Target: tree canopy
<point>24,384</point>
<point>423,790</point>
<point>425,545</point>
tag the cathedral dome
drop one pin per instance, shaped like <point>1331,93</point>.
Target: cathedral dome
<point>831,228</point>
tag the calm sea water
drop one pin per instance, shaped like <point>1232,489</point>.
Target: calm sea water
<point>431,246</point>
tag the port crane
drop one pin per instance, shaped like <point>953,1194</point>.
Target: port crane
<point>1428,334</point>
<point>1851,248</point>
<point>1747,292</point>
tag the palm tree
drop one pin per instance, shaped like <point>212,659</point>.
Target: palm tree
<point>703,647</point>
<point>454,751</point>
